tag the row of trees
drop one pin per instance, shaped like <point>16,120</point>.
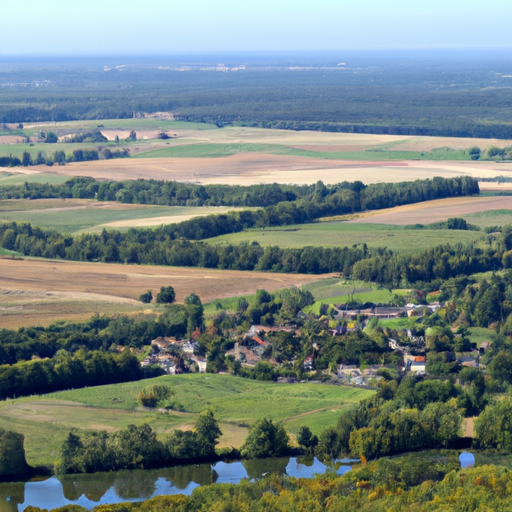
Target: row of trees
<point>59,157</point>
<point>139,447</point>
<point>66,371</point>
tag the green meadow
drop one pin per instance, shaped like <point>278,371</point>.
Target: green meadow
<point>236,402</point>
<point>207,150</point>
<point>342,234</point>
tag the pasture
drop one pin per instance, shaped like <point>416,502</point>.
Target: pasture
<point>343,234</point>
<point>236,402</point>
<point>85,215</point>
<point>36,291</point>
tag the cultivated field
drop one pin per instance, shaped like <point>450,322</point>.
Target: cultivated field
<point>36,291</point>
<point>85,215</point>
<point>205,154</point>
<point>342,234</point>
<point>471,208</point>
<point>237,403</point>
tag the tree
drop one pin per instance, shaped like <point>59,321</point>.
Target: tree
<point>209,432</point>
<point>147,297</point>
<point>12,454</point>
<point>151,397</point>
<point>266,439</point>
<point>132,136</point>
<point>166,295</point>
<point>117,139</point>
<point>51,138</point>
<point>195,311</point>
<point>26,159</point>
<point>307,439</point>
<point>9,239</point>
<point>474,152</point>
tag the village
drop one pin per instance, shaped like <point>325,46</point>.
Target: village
<point>178,356</point>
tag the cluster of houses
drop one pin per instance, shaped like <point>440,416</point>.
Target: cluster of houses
<point>178,356</point>
<point>174,356</point>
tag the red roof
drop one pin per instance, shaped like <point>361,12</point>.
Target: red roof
<point>258,340</point>
<point>420,359</point>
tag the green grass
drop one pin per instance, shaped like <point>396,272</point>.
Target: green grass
<point>228,304</point>
<point>17,178</point>
<point>398,323</point>
<point>218,150</point>
<point>45,421</point>
<point>341,234</point>
<point>480,334</point>
<point>336,287</point>
<point>6,252</point>
<point>93,219</point>
<point>382,296</point>
<point>490,218</point>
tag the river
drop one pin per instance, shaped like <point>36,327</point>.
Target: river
<point>89,491</point>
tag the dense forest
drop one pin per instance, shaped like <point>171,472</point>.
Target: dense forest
<point>383,92</point>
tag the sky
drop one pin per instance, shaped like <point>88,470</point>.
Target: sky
<point>95,27</point>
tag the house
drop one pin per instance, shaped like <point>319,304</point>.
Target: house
<point>162,343</point>
<point>189,347</point>
<point>420,359</point>
<point>308,363</point>
<point>201,363</point>
<point>418,368</point>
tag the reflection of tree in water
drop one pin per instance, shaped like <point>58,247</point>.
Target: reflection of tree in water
<point>181,476</point>
<point>257,467</point>
<point>307,460</point>
<point>93,487</point>
<point>16,494</point>
<point>135,484</point>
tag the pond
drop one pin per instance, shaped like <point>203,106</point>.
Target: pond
<point>90,491</point>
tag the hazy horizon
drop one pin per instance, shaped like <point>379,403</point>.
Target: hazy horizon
<point>161,27</point>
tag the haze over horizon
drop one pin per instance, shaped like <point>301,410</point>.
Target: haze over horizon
<point>162,27</point>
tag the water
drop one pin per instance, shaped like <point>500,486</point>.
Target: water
<point>90,491</point>
<point>467,460</point>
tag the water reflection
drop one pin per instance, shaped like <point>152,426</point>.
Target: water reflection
<point>467,460</point>
<point>89,491</point>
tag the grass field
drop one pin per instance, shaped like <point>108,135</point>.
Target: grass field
<point>74,216</point>
<point>377,296</point>
<point>480,334</point>
<point>35,291</point>
<point>15,177</point>
<point>341,234</point>
<point>237,403</point>
<point>217,150</point>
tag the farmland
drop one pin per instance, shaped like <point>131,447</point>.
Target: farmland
<point>477,210</point>
<point>34,291</point>
<point>45,421</point>
<point>336,234</point>
<point>203,153</point>
<point>82,215</point>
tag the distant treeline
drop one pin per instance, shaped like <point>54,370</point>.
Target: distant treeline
<point>389,98</point>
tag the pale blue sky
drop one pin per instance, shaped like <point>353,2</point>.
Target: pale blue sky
<point>171,26</point>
